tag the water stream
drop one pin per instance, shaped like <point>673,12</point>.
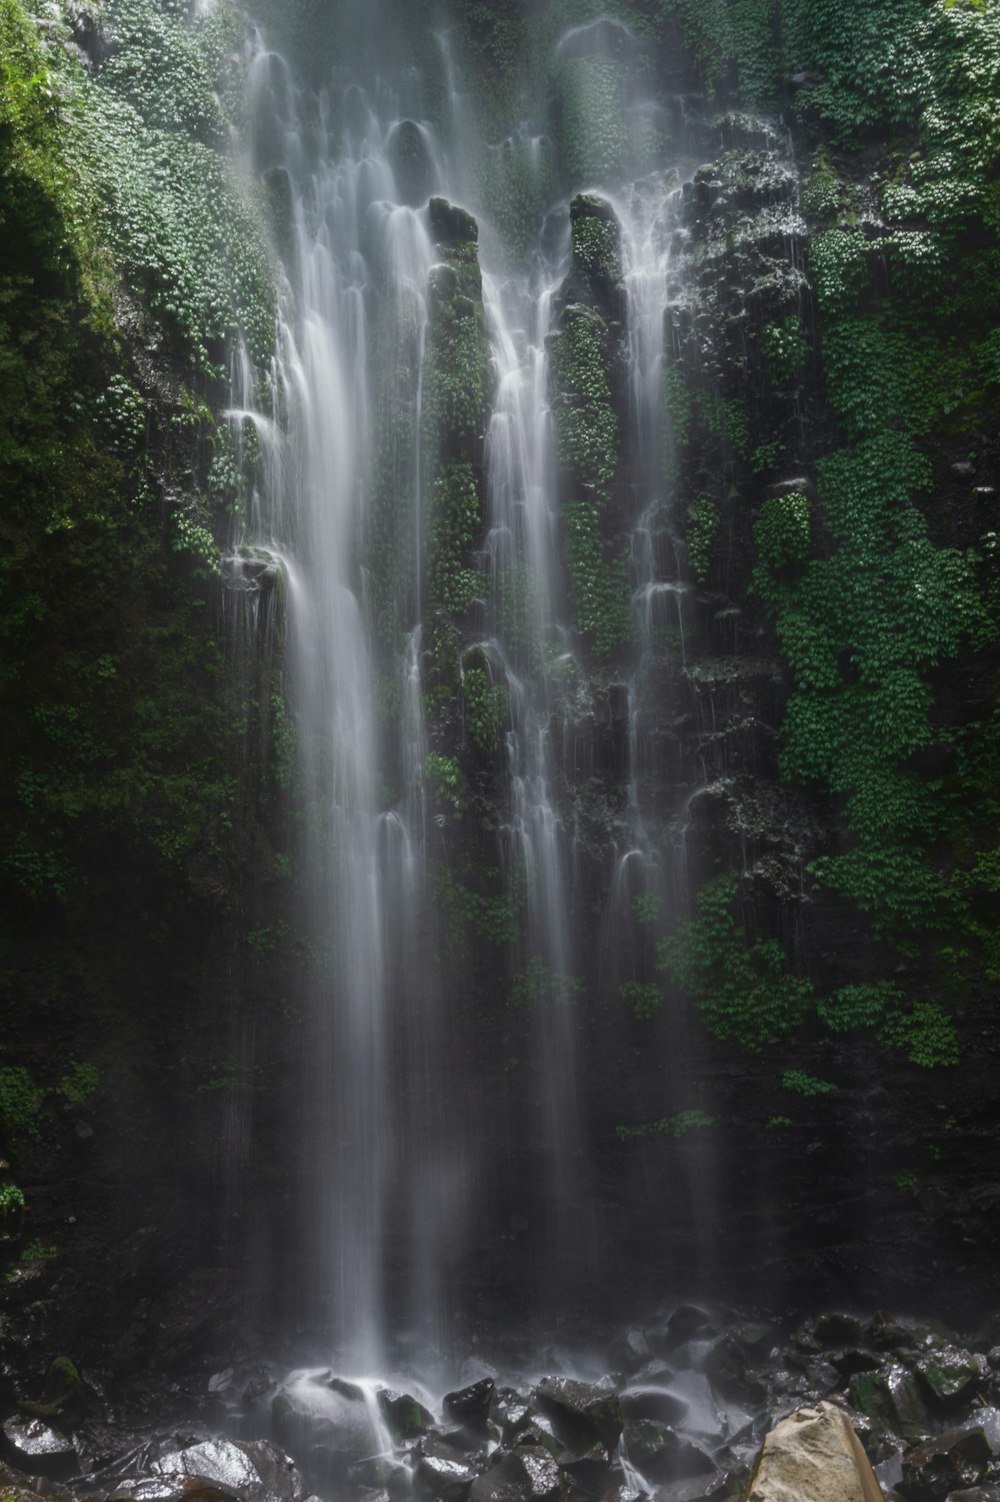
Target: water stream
<point>397,1156</point>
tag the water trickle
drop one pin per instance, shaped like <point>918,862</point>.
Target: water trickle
<point>529,754</point>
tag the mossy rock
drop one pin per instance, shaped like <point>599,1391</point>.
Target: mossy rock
<point>451,227</point>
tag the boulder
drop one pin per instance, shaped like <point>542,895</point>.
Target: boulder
<point>412,164</point>
<point>254,1471</point>
<point>661,1455</point>
<point>630,1351</point>
<point>951,1376</point>
<point>652,1403</point>
<point>952,1461</point>
<point>581,1414</point>
<point>527,1474</point>
<point>471,1405</point>
<point>325,1418</point>
<point>813,1455</point>
<point>890,1398</point>
<point>39,1450</point>
<point>404,1417</point>
<point>442,1470</point>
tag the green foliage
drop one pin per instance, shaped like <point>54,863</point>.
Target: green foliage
<point>11,1200</point>
<point>587,433</point>
<point>445,779</point>
<point>782,535</point>
<point>587,440</point>
<point>744,990</point>
<point>926,1033</point>
<point>189,537</point>
<point>79,1082</point>
<point>859,1006</point>
<point>703,524</point>
<point>148,125</point>
<point>19,1100</point>
<point>454,523</point>
<point>676,1126</point>
<point>801,1083</point>
<point>456,371</point>
<point>785,350</point>
<point>643,998</point>
<point>594,137</point>
<point>494,915</point>
<point>39,1251</point>
<point>647,907</point>
<point>484,709</point>
<point>539,985</point>
<point>599,584</point>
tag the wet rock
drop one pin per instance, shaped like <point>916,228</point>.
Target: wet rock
<point>412,165</point>
<point>951,1461</point>
<point>975,1494</point>
<point>888,1334</point>
<point>326,1419</point>
<point>589,1469</point>
<point>891,1398</point>
<point>661,1455</point>
<point>450,225</point>
<point>652,1403</point>
<point>38,1449</point>
<point>950,1375</point>
<point>813,1455</point>
<point>581,1414</point>
<point>540,1470</point>
<point>520,1476</point>
<point>513,1415</point>
<point>254,1471</point>
<point>404,1417</point>
<point>727,1367</point>
<point>854,1359</point>
<point>687,1322</point>
<point>835,1329</point>
<point>629,1351</point>
<point>471,1405</point>
<point>441,1470</point>
<point>380,1473</point>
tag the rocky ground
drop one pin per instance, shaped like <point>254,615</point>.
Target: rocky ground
<point>677,1413</point>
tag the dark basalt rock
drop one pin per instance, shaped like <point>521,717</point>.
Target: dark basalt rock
<point>953,1460</point>
<point>451,227</point>
<point>661,1455</point>
<point>410,159</point>
<point>471,1404</point>
<point>581,1414</point>
<point>254,1471</point>
<point>39,1450</point>
<point>520,1476</point>
<point>951,1375</point>
<point>652,1403</point>
<point>630,1351</point>
<point>405,1418</point>
<point>441,1470</point>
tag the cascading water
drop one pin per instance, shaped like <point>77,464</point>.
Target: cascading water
<point>412,771</point>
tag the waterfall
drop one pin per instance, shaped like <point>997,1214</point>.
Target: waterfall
<point>444,809</point>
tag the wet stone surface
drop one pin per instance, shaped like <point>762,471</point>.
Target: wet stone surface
<point>684,1425</point>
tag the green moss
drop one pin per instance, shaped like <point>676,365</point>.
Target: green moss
<point>587,430</point>
<point>703,524</point>
<point>484,709</point>
<point>19,1100</point>
<point>455,519</point>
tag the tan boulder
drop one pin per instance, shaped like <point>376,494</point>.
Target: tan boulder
<point>813,1456</point>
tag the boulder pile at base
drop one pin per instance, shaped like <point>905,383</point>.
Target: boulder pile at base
<point>693,1405</point>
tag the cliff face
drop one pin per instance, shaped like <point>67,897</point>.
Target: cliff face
<point>767,720</point>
